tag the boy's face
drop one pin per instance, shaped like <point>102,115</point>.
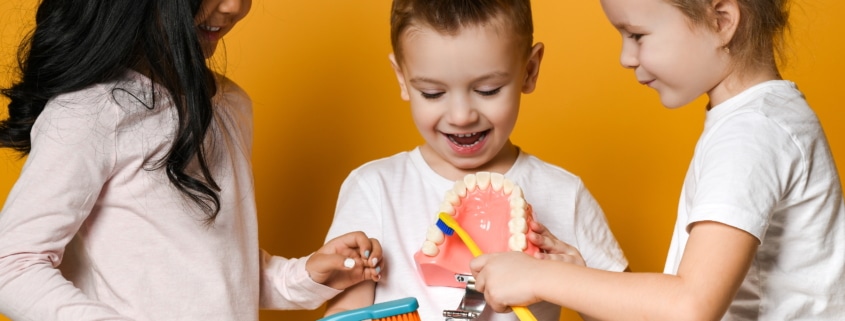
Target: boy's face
<point>464,91</point>
<point>680,60</point>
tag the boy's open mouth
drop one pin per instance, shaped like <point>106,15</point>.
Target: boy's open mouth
<point>467,140</point>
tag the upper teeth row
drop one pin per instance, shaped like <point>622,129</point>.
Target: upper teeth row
<point>465,135</point>
<point>517,225</point>
<point>209,28</point>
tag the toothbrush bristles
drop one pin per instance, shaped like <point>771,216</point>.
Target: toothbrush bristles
<point>445,228</point>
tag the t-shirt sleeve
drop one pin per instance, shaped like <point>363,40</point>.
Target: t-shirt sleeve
<point>596,242</point>
<point>285,285</point>
<point>71,158</point>
<point>742,169</point>
<point>357,208</point>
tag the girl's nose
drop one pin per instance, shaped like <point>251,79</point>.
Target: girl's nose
<point>628,57</point>
<point>231,6</point>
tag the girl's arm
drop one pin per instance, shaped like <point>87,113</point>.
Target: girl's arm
<point>716,260</point>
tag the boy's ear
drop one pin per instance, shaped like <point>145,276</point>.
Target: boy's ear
<point>532,68</point>
<point>400,77</point>
<point>727,19</point>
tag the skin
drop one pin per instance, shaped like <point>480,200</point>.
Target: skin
<point>468,83</point>
<point>325,266</point>
<point>657,44</point>
<point>216,18</point>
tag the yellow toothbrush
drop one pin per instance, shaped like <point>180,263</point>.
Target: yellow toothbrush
<point>449,226</point>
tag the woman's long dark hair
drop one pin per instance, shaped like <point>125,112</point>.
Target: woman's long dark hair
<point>78,43</point>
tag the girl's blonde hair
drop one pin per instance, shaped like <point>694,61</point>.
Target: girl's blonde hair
<point>759,40</point>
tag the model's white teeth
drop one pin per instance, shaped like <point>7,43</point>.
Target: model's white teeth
<point>453,197</point>
<point>517,212</point>
<point>447,208</point>
<point>209,28</point>
<point>517,242</point>
<point>496,181</point>
<point>517,224</point>
<point>460,188</point>
<point>517,192</point>
<point>507,187</point>
<point>471,182</point>
<point>430,249</point>
<point>435,235</point>
<point>483,179</point>
<point>518,203</point>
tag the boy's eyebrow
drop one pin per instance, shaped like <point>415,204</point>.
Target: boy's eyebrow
<point>497,74</point>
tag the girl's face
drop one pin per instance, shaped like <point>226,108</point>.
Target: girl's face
<point>216,18</point>
<point>679,59</point>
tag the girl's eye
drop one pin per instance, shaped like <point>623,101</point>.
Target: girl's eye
<point>431,95</point>
<point>635,36</point>
<point>489,92</point>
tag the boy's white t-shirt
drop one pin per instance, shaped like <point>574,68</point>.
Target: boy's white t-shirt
<point>396,199</point>
<point>763,165</point>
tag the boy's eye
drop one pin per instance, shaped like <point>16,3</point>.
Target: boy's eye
<point>635,36</point>
<point>431,95</point>
<point>489,92</point>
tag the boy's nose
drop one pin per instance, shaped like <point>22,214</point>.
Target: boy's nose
<point>460,112</point>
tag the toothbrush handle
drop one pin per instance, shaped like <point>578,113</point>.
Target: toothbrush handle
<point>523,314</point>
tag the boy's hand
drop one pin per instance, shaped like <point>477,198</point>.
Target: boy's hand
<point>346,260</point>
<point>551,247</point>
<point>505,280</point>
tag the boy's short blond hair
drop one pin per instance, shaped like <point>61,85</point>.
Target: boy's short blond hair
<point>449,16</point>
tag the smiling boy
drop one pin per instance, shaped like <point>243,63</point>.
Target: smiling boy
<point>463,67</point>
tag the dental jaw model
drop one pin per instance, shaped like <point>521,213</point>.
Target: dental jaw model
<point>493,212</point>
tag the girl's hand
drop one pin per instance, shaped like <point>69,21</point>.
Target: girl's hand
<point>551,247</point>
<point>506,279</point>
<point>346,260</point>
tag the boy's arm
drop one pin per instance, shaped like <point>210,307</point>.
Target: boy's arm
<point>716,260</point>
<point>358,296</point>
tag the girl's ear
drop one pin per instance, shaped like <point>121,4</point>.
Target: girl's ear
<point>727,19</point>
<point>400,77</point>
<point>532,69</point>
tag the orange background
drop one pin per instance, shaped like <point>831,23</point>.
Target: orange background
<point>326,101</point>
